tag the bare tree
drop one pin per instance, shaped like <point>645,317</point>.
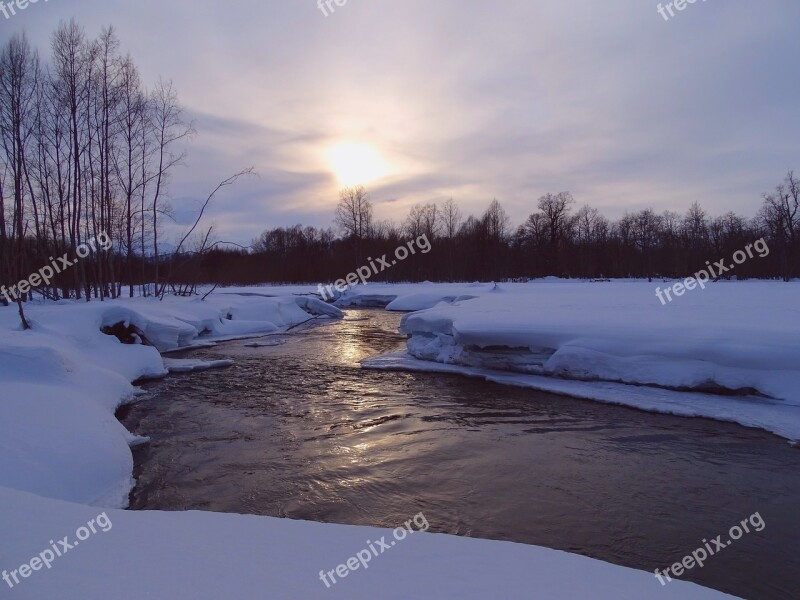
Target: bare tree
<point>204,243</point>
<point>423,219</point>
<point>496,222</point>
<point>72,58</point>
<point>451,219</point>
<point>132,155</point>
<point>556,211</point>
<point>19,71</point>
<point>354,212</point>
<point>169,127</point>
<point>108,97</point>
<point>354,216</point>
<point>646,233</point>
<point>591,230</point>
<point>780,216</point>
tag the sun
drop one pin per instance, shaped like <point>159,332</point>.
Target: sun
<point>356,163</point>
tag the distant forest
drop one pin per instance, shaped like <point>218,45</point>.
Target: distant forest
<point>86,149</point>
<point>558,239</point>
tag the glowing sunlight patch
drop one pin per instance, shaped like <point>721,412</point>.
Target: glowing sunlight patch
<point>356,164</point>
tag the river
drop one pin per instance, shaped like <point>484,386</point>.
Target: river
<point>297,429</point>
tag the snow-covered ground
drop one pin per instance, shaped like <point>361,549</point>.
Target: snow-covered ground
<point>63,453</point>
<point>206,556</point>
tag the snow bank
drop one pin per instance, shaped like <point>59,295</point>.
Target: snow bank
<point>735,346</point>
<point>413,302</point>
<point>402,297</point>
<point>60,386</point>
<point>206,556</point>
<point>188,365</point>
<point>177,323</point>
<point>408,297</point>
<point>62,382</point>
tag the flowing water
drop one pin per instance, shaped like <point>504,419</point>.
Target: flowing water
<point>297,429</point>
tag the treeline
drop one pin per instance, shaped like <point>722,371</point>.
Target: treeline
<point>86,150</point>
<point>558,239</point>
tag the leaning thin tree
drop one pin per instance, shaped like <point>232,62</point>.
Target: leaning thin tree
<point>204,246</point>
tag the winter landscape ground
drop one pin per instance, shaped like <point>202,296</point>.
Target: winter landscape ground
<point>65,457</point>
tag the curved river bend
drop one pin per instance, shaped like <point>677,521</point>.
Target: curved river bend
<point>296,429</point>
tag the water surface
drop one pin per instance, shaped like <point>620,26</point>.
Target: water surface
<point>299,430</point>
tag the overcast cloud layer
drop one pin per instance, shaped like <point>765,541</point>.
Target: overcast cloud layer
<point>473,100</point>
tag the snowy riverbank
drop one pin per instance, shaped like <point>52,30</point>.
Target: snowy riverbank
<point>730,352</point>
<point>64,454</point>
<point>615,342</point>
<point>63,380</point>
<point>207,556</point>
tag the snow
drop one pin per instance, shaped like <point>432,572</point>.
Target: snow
<point>57,425</point>
<point>413,302</point>
<point>187,365</point>
<point>207,556</point>
<point>62,382</point>
<point>63,453</point>
<point>739,339</point>
<point>175,323</point>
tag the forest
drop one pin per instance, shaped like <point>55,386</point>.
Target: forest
<point>558,239</point>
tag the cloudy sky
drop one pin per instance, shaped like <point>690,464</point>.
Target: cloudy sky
<point>480,99</point>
